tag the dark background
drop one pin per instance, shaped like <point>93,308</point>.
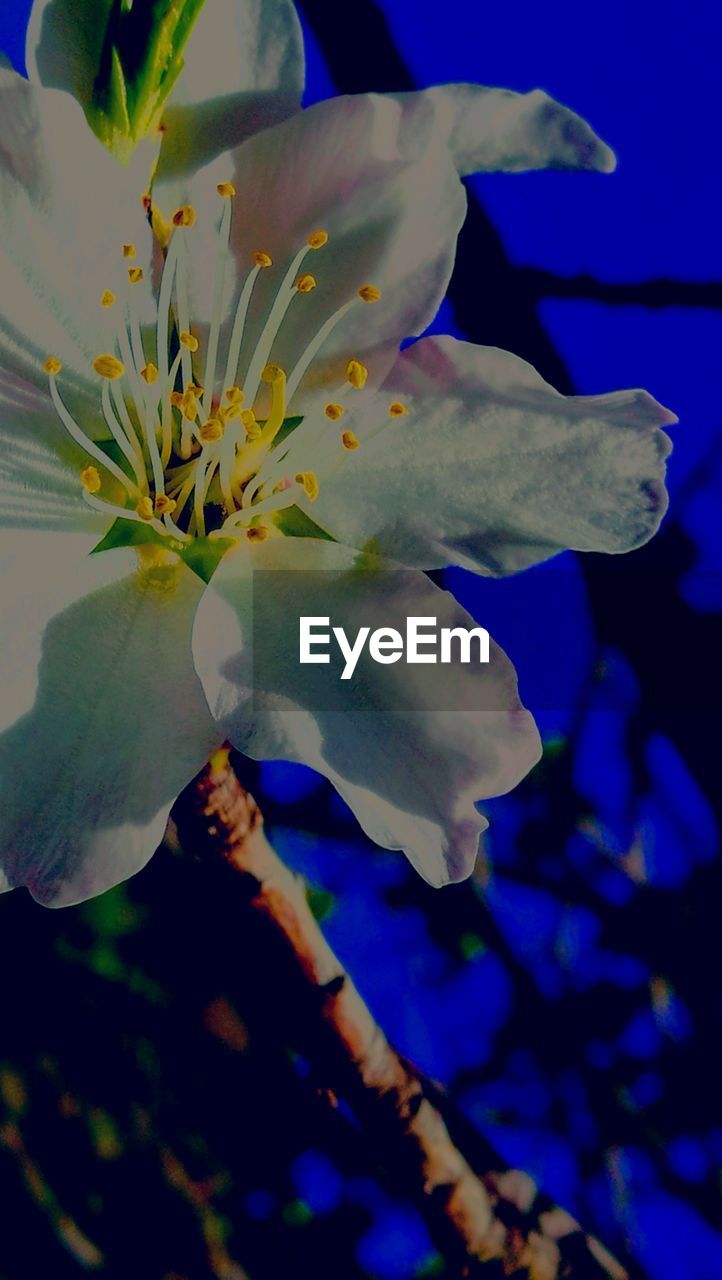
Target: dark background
<point>572,1004</point>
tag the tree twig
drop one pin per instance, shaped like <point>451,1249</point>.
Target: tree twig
<point>485,1218</point>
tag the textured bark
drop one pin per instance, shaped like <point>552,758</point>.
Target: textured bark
<point>486,1219</point>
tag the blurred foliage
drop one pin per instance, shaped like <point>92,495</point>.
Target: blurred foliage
<point>156,1121</point>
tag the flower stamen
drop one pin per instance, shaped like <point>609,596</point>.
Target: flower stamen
<point>90,479</point>
<point>308,481</point>
<point>356,374</point>
<point>185,442</point>
<point>88,445</point>
<point>109,367</point>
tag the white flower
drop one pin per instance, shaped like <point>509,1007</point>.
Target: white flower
<point>165,405</point>
<point>242,68</point>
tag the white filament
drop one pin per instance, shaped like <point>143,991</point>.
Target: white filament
<point>218,290</point>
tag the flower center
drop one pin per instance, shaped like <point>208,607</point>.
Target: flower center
<point>191,455</point>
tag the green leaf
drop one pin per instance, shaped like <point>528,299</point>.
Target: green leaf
<point>297,1213</point>
<point>294,523</point>
<point>320,901</point>
<point>433,1265</point>
<point>471,945</point>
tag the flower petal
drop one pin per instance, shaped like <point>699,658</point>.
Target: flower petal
<point>104,721</point>
<point>67,207</point>
<point>63,44</point>
<point>494,469</point>
<point>497,129</point>
<point>244,71</point>
<point>395,743</point>
<point>385,190</point>
<point>39,465</point>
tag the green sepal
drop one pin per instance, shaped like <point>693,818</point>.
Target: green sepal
<point>114,451</point>
<point>294,523</point>
<point>133,533</point>
<point>287,426</point>
<point>140,60</point>
<point>201,555</point>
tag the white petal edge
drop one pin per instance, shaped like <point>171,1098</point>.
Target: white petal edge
<point>500,130</point>
<point>410,774</point>
<point>493,469</point>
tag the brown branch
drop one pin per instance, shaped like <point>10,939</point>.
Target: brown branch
<point>66,1229</point>
<point>476,1208</point>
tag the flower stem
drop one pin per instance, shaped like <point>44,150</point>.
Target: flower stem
<point>476,1207</point>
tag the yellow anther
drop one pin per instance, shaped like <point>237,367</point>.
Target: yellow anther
<point>227,412</point>
<point>211,431</point>
<point>189,406</point>
<point>272,373</point>
<point>90,479</point>
<point>164,506</point>
<point>309,482</point>
<point>248,418</point>
<point>144,508</point>
<point>135,274</point>
<point>107,298</point>
<point>317,239</point>
<point>397,409</point>
<point>234,395</point>
<point>195,388</point>
<point>189,341</point>
<point>257,533</point>
<point>149,373</point>
<point>185,216</point>
<point>262,259</point>
<point>334,411</point>
<point>176,399</point>
<point>306,283</point>
<point>356,374</point>
<point>52,365</point>
<point>349,440</point>
<point>128,250</point>
<point>109,367</point>
<point>369,293</point>
<point>226,189</point>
